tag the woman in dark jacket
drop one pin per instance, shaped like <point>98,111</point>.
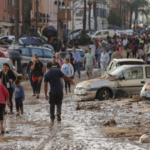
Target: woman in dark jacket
<point>7,78</point>
<point>71,60</point>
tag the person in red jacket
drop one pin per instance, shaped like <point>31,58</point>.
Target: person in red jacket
<point>3,93</point>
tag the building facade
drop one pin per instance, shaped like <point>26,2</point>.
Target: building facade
<point>7,17</point>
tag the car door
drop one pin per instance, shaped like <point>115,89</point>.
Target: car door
<point>134,80</point>
<point>25,55</point>
<point>147,74</point>
<point>39,53</point>
<point>48,55</point>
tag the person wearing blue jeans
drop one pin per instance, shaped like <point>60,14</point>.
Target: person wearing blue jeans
<point>99,51</point>
<point>76,57</point>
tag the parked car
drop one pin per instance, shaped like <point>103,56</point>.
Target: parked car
<point>129,32</point>
<point>103,34</point>
<point>14,56</point>
<point>45,55</point>
<point>82,53</point>
<point>48,46</point>
<point>120,32</point>
<point>8,61</point>
<point>129,78</point>
<point>119,62</point>
<point>9,39</point>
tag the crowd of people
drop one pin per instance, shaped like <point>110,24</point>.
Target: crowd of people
<point>59,73</point>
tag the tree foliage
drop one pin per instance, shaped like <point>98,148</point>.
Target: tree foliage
<point>114,18</point>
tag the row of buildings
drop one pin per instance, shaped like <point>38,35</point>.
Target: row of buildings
<point>67,16</point>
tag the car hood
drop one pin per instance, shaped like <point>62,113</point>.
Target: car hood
<point>89,82</point>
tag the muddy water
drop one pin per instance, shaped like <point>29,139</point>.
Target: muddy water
<point>82,127</point>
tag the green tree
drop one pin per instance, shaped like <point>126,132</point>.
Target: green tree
<point>137,6</point>
<point>114,18</point>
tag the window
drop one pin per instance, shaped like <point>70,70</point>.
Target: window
<point>48,54</point>
<point>99,33</point>
<point>37,51</point>
<point>134,73</point>
<point>105,32</point>
<point>24,51</point>
<point>147,72</point>
<point>81,53</point>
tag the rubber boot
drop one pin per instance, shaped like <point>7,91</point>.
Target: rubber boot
<point>17,114</point>
<point>21,108</point>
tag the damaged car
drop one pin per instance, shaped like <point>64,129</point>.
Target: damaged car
<point>128,78</point>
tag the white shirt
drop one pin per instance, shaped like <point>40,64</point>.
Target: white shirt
<point>67,69</point>
<point>125,41</point>
<point>105,58</point>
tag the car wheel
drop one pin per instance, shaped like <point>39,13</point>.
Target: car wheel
<point>104,94</point>
<point>24,69</point>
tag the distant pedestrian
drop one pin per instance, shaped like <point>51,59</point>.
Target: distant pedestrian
<point>128,49</point>
<point>104,61</point>
<point>71,60</point>
<point>116,54</point>
<point>68,70</point>
<point>76,57</point>
<point>19,96</point>
<point>59,60</point>
<point>56,92</point>
<point>99,52</point>
<point>38,71</point>
<point>88,59</point>
<point>4,94</point>
<point>55,64</point>
<point>134,50</point>
<point>7,78</point>
<point>29,73</point>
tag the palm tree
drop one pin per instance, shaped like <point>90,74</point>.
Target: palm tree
<point>16,19</point>
<point>137,6</point>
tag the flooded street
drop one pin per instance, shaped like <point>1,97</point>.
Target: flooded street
<point>93,125</point>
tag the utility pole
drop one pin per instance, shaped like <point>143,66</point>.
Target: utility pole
<point>16,20</point>
<point>22,17</point>
<point>37,5</point>
<point>57,19</point>
<point>124,14</point>
<point>67,18</point>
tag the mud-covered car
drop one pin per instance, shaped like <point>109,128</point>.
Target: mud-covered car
<point>129,78</point>
<point>145,92</point>
<point>125,61</point>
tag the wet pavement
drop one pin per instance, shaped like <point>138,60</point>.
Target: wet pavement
<point>83,127</point>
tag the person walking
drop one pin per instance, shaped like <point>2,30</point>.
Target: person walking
<point>76,57</point>
<point>59,60</point>
<point>99,52</point>
<point>134,50</point>
<point>116,54</point>
<point>29,73</point>
<point>37,74</point>
<point>4,94</point>
<point>55,64</point>
<point>7,78</point>
<point>19,96</point>
<point>68,70</point>
<point>71,60</point>
<point>104,60</point>
<point>88,60</point>
<point>128,49</point>
<point>52,77</point>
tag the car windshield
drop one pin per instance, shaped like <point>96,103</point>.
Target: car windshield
<point>129,63</point>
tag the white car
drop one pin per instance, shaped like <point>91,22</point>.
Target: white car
<point>119,32</point>
<point>145,92</point>
<point>9,39</point>
<point>103,34</point>
<point>119,62</point>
